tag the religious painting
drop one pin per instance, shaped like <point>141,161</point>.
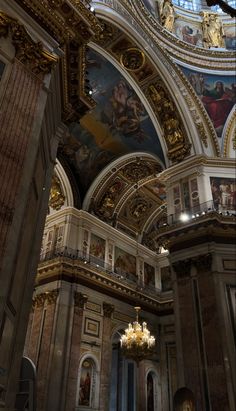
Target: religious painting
<point>158,189</point>
<point>118,125</point>
<point>166,283</point>
<point>149,274</point>
<point>217,93</point>
<point>189,33</point>
<point>124,262</point>
<point>85,383</point>
<point>223,193</point>
<point>97,247</point>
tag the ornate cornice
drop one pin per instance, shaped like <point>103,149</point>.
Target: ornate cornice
<point>28,52</point>
<point>76,271</point>
<point>206,228</point>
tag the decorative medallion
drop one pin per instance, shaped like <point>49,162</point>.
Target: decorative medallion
<point>132,59</point>
<point>137,171</point>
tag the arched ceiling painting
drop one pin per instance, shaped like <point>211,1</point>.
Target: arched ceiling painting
<point>118,125</point>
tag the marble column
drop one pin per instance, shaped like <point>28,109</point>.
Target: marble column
<point>106,357</point>
<point>72,382</point>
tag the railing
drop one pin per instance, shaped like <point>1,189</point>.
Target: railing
<point>105,268</point>
<point>200,210</point>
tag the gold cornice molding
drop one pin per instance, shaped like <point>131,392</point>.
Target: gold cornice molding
<point>27,51</point>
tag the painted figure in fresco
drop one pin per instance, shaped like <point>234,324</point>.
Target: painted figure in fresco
<point>189,36</point>
<point>125,112</point>
<point>167,15</point>
<point>218,103</point>
<point>212,30</point>
<point>223,193</point>
<point>84,392</point>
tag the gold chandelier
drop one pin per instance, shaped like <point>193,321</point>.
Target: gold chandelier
<point>137,343</point>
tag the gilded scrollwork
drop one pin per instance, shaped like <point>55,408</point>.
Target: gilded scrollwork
<point>56,198</point>
<point>28,52</point>
<point>173,130</point>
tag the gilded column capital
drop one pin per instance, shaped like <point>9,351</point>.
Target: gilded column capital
<point>108,309</point>
<point>48,297</point>
<point>80,300</point>
<point>28,52</point>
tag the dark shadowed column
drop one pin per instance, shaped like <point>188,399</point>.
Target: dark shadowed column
<point>106,357</point>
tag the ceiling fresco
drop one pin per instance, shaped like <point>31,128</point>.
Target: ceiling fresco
<point>217,93</point>
<point>118,125</point>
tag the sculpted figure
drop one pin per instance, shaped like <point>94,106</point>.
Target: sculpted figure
<point>173,133</point>
<point>212,30</point>
<point>167,15</point>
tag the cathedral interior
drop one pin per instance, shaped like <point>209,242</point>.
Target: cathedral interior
<point>118,205</point>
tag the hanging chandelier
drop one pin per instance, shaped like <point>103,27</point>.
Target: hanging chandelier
<point>137,343</point>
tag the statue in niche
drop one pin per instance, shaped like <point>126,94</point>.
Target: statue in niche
<point>167,15</point>
<point>212,31</point>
